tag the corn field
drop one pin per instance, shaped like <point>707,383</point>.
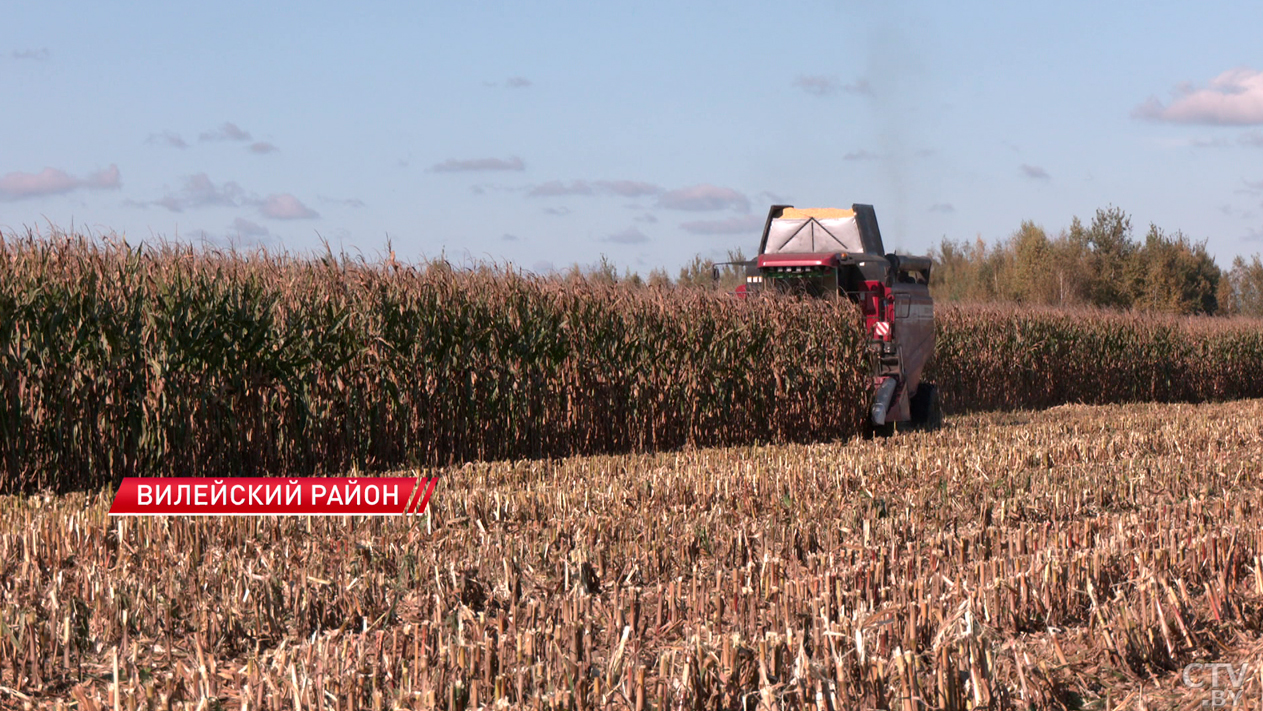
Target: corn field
<point>1004,357</point>
<point>120,361</point>
<point>1076,557</point>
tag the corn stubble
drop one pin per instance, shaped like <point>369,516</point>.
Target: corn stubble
<point>1074,558</point>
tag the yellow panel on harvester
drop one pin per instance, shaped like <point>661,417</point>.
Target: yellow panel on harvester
<point>820,213</point>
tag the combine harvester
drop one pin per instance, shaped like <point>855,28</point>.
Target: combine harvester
<point>838,253</point>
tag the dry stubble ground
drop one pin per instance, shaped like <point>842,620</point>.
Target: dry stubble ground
<point>1077,557</point>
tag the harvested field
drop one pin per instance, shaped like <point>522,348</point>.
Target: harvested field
<point>1077,557</point>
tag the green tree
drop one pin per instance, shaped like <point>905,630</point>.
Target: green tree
<point>952,277</point>
<point>1110,257</point>
<point>1033,278</point>
<point>1175,275</point>
<point>697,274</point>
<point>733,274</point>
<point>1241,290</point>
<point>962,271</point>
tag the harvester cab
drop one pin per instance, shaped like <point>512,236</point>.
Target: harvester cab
<point>838,253</point>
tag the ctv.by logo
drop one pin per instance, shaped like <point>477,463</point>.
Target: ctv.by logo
<point>1226,683</point>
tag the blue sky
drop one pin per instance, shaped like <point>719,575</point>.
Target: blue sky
<point>550,133</point>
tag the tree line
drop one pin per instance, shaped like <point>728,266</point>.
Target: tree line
<point>1100,264</point>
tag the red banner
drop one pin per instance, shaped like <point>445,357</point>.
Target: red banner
<point>266,496</point>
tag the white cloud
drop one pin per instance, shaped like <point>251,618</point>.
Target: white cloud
<point>246,228</point>
<point>1232,98</point>
<point>1208,142</point>
<point>622,188</point>
<point>704,197</point>
<point>227,131</point>
<point>347,202</point>
<point>745,224</point>
<point>860,86</point>
<point>1236,212</point>
<point>628,188</point>
<point>286,207</point>
<point>945,208</point>
<point>167,138</point>
<point>860,155</point>
<point>555,188</point>
<point>631,235</point>
<point>1034,172</point>
<point>200,191</point>
<point>453,165</point>
<point>33,55</point>
<point>517,82</point>
<point>262,147</point>
<point>818,85</point>
<point>53,181</point>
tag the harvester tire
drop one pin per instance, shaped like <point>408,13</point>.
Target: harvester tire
<point>926,411</point>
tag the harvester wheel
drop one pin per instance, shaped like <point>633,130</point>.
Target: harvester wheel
<point>926,411</point>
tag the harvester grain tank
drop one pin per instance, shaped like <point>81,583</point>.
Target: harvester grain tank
<point>838,253</point>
